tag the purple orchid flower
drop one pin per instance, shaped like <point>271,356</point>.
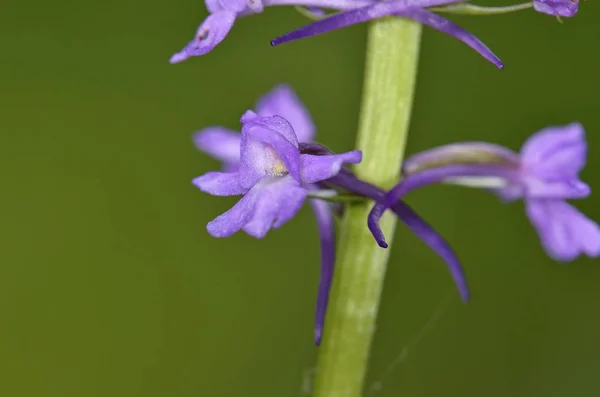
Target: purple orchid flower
<point>271,171</point>
<point>280,103</point>
<point>544,174</point>
<point>224,144</point>
<point>412,9</point>
<point>561,8</point>
<point>223,14</point>
<point>274,179</point>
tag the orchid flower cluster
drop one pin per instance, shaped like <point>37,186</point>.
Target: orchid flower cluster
<point>223,14</point>
<point>275,165</point>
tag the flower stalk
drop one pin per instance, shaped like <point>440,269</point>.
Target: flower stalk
<point>390,74</point>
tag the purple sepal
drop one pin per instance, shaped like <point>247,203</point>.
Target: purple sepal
<point>319,168</point>
<point>236,6</point>
<point>221,143</point>
<point>210,33</point>
<point>283,101</point>
<point>561,8</point>
<point>220,184</point>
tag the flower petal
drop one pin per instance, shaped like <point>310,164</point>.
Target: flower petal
<point>537,188</point>
<point>284,102</point>
<point>460,153</point>
<point>429,177</point>
<point>355,16</point>
<point>221,143</point>
<point>265,142</point>
<point>278,201</point>
<point>562,8</point>
<point>210,33</point>
<point>237,216</point>
<point>416,224</point>
<point>406,8</point>
<point>236,6</point>
<point>275,123</point>
<point>445,26</point>
<point>429,236</point>
<point>220,184</point>
<point>556,152</point>
<point>319,168</point>
<point>564,232</point>
<point>325,224</point>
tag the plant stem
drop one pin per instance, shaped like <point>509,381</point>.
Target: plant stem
<point>390,74</point>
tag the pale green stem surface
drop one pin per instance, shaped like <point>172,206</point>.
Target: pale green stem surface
<point>472,9</point>
<point>390,73</point>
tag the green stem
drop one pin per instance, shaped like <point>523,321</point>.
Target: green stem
<point>472,9</point>
<point>390,73</point>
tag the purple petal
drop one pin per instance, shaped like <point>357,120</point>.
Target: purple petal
<point>268,147</point>
<point>235,218</point>
<point>278,201</point>
<point>236,6</point>
<point>406,8</point>
<point>355,16</point>
<point>319,168</point>
<point>210,33</point>
<point>315,12</point>
<point>221,143</point>
<point>556,152</point>
<point>436,242</point>
<point>275,123</point>
<point>564,232</point>
<point>220,184</point>
<point>284,102</point>
<point>445,26</point>
<point>460,153</point>
<point>537,188</point>
<point>428,177</point>
<point>326,228</point>
<point>562,8</point>
<point>348,181</point>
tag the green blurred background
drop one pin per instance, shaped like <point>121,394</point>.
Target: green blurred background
<point>110,285</point>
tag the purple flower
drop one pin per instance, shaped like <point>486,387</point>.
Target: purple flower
<point>561,8</point>
<point>412,9</point>
<point>273,177</point>
<point>225,145</point>
<point>223,14</point>
<point>544,174</point>
<point>281,190</point>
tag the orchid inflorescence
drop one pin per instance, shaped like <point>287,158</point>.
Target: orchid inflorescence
<point>276,166</point>
<point>223,14</point>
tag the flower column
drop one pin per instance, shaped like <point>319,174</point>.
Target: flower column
<point>391,66</point>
